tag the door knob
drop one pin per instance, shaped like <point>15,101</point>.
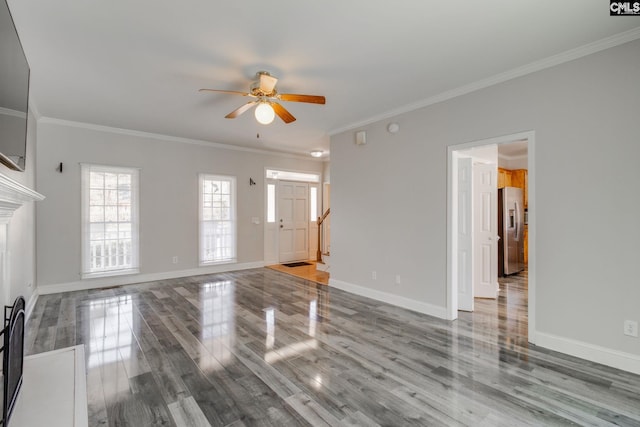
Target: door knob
<point>281,226</point>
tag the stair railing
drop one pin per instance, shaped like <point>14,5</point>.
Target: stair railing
<point>320,221</point>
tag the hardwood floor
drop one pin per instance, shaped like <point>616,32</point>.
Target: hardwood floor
<point>308,272</point>
<point>258,347</point>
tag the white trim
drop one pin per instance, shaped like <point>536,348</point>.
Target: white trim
<point>532,67</point>
<point>33,107</point>
<point>233,220</point>
<point>408,303</point>
<point>110,273</point>
<point>451,309</point>
<point>81,408</point>
<point>31,304</point>
<point>176,139</point>
<point>16,193</point>
<point>594,353</point>
<point>141,278</point>
<point>13,113</point>
<point>44,382</point>
<point>86,170</point>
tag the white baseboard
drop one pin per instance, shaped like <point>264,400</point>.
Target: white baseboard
<point>594,353</point>
<point>103,282</point>
<point>410,304</point>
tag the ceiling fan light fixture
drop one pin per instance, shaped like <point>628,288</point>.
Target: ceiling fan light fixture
<point>316,153</point>
<point>264,113</point>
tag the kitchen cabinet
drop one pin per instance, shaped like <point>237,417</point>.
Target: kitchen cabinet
<point>504,178</point>
<point>515,178</point>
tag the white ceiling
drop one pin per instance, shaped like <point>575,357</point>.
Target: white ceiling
<point>139,64</point>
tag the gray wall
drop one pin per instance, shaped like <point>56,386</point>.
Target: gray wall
<point>168,196</point>
<point>389,206</point>
<point>21,230</point>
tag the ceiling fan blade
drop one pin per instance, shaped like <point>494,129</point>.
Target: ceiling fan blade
<point>235,113</point>
<point>313,99</point>
<point>267,83</point>
<point>282,112</point>
<point>233,92</point>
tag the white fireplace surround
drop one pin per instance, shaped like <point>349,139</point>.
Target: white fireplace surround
<point>53,381</point>
<point>12,196</point>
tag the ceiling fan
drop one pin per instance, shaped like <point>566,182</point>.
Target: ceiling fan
<point>266,98</point>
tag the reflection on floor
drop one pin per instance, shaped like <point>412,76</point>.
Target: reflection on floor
<point>308,272</point>
<point>508,314</point>
<point>258,347</point>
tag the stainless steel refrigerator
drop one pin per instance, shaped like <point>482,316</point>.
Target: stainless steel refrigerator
<point>510,230</point>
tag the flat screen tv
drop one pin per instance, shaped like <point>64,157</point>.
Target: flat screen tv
<point>14,93</point>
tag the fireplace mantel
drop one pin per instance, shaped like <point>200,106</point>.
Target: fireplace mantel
<point>12,196</point>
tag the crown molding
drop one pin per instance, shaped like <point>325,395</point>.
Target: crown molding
<point>13,113</point>
<point>169,138</point>
<point>33,107</point>
<point>532,67</point>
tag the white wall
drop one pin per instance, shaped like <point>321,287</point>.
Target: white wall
<point>21,229</point>
<point>389,198</point>
<point>519,162</point>
<point>168,197</point>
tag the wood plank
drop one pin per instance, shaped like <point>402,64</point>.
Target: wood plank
<point>262,347</point>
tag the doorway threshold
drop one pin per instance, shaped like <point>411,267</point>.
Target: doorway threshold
<point>308,272</point>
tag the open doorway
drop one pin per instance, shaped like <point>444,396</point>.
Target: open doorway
<point>472,257</point>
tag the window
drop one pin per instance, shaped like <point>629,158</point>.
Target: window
<point>292,176</point>
<point>217,219</point>
<point>271,203</point>
<point>109,220</point>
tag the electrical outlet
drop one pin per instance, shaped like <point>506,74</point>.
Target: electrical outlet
<point>174,260</point>
<point>374,275</point>
<point>397,279</point>
<point>631,328</point>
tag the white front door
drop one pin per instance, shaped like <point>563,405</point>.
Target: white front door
<point>293,205</point>
<point>485,234</point>
<point>465,234</point>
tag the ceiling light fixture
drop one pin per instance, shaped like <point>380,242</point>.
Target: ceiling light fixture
<point>316,153</point>
<point>264,113</point>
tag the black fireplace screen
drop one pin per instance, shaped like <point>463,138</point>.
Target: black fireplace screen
<point>12,356</point>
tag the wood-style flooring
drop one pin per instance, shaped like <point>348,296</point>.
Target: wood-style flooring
<point>258,347</point>
<point>308,272</point>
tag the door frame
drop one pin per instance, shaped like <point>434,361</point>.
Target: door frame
<point>271,241</point>
<point>452,245</point>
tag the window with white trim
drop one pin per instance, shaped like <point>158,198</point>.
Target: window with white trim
<point>109,220</point>
<point>217,219</point>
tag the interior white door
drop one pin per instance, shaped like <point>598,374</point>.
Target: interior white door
<point>465,234</point>
<point>293,212</point>
<point>485,233</point>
